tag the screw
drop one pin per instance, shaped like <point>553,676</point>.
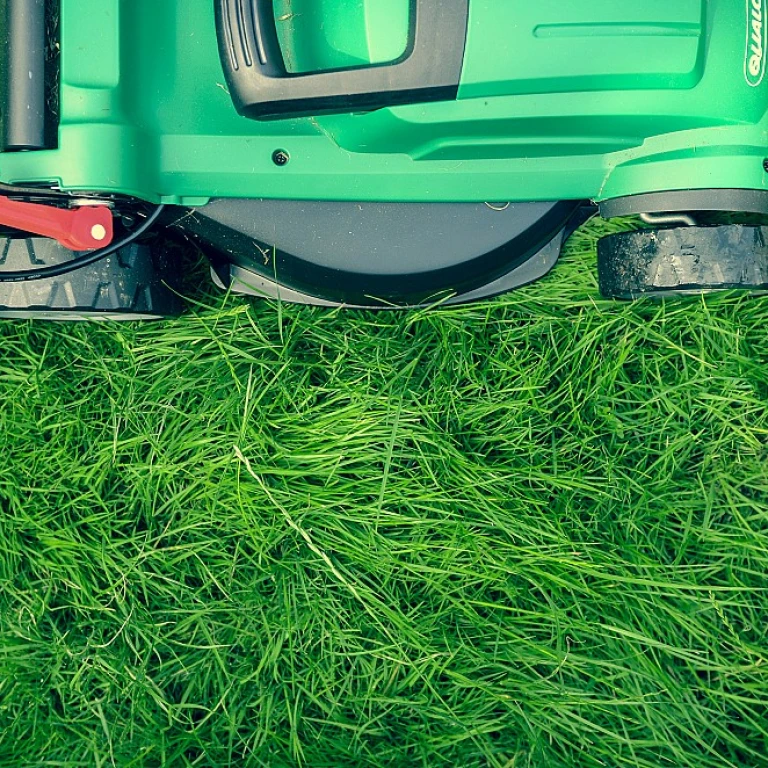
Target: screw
<point>99,232</point>
<point>280,158</point>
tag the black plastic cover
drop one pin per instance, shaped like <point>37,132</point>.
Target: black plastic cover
<point>377,254</point>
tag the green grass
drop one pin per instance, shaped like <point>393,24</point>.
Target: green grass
<point>531,533</point>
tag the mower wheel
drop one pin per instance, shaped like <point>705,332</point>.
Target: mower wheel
<point>133,284</point>
<point>686,260</point>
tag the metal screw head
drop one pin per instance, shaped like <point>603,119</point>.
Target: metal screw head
<point>280,158</point>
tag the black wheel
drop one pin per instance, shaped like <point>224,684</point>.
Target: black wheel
<point>686,260</point>
<point>136,283</point>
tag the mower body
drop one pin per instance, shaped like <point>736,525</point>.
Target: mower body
<point>523,102</point>
<point>558,99</point>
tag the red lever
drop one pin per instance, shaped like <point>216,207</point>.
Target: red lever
<point>79,229</point>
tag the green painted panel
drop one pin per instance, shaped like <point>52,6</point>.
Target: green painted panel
<point>633,97</point>
<point>561,46</point>
<point>321,35</point>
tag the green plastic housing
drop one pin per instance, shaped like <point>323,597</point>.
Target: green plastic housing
<point>559,99</point>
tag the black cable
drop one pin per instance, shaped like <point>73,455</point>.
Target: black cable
<point>57,270</point>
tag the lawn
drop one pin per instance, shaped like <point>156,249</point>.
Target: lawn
<point>527,534</point>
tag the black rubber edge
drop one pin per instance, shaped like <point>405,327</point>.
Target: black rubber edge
<point>263,89</point>
<point>684,260</point>
<point>688,200</point>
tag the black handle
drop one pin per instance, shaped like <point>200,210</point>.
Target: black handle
<point>262,88</point>
<point>23,73</point>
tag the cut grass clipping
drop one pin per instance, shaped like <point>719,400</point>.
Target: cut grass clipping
<point>531,533</point>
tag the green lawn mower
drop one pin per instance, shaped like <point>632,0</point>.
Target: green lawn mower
<point>375,153</point>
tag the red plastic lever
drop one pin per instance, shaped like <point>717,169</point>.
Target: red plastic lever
<point>78,229</point>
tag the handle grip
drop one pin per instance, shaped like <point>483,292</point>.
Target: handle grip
<point>22,68</point>
<point>262,88</point>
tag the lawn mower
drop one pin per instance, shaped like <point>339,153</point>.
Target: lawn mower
<point>375,153</point>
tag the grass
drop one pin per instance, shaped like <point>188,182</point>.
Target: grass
<point>526,534</point>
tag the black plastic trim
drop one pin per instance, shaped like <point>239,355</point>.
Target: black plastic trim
<point>688,200</point>
<point>262,88</point>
